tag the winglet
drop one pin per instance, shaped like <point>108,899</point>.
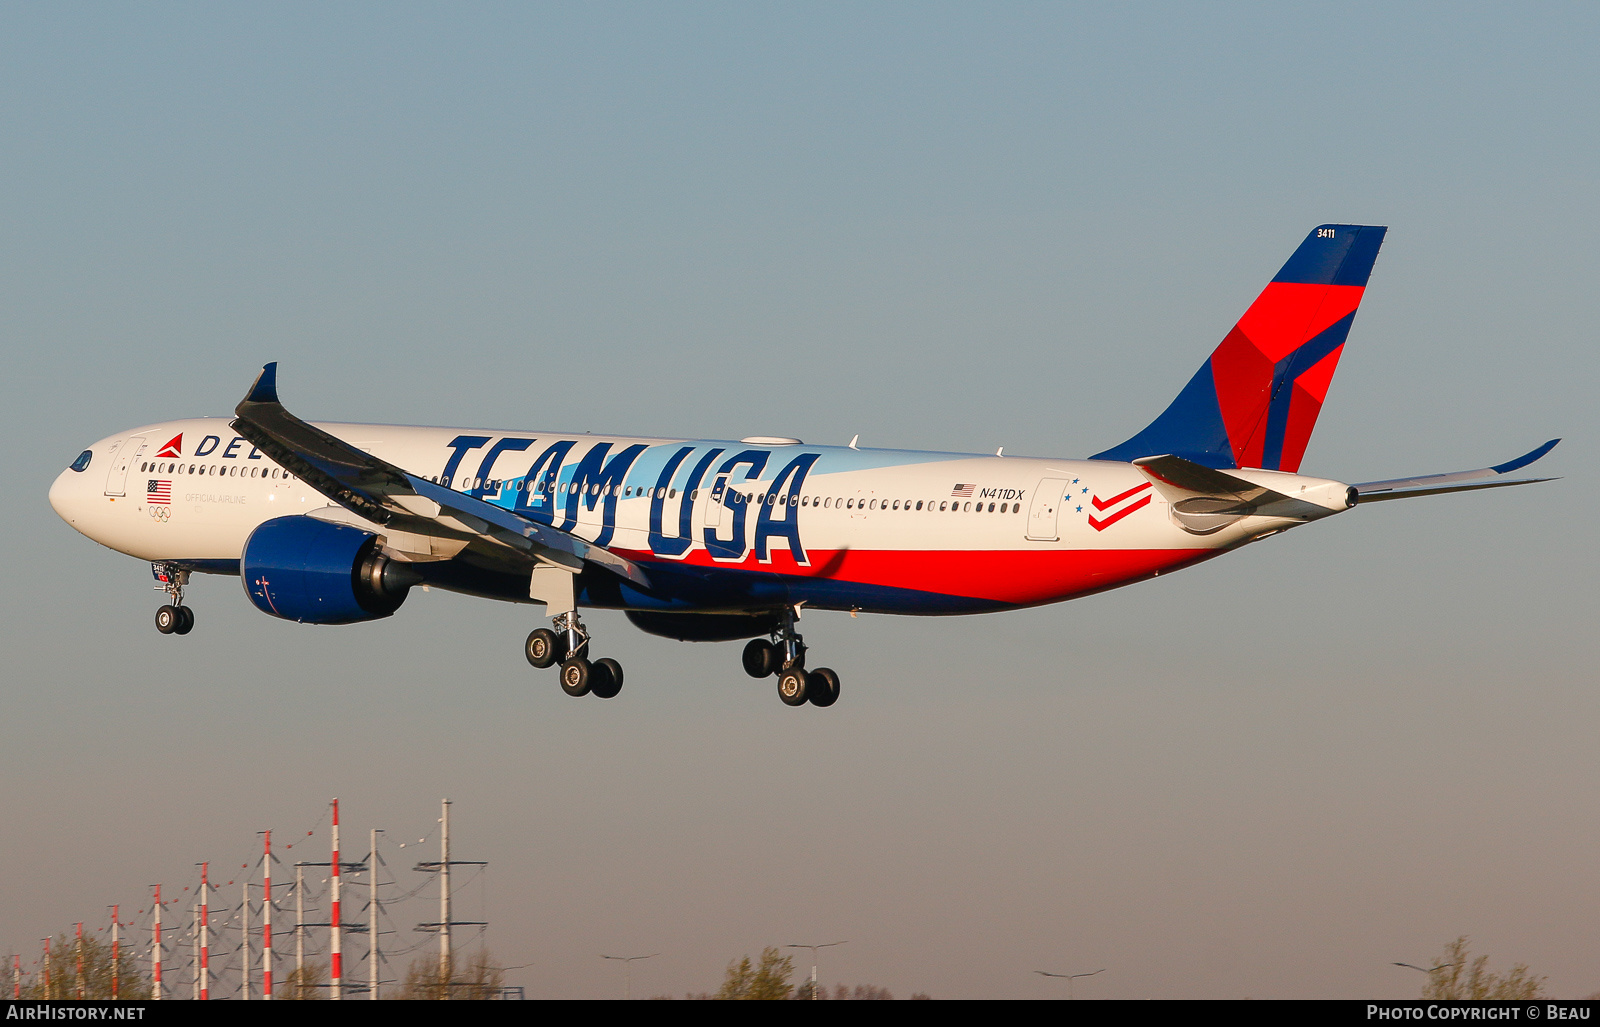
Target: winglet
<point>1524,460</point>
<point>265,389</point>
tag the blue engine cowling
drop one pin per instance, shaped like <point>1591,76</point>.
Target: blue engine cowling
<point>303,569</point>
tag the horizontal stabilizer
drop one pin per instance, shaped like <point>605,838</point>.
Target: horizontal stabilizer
<point>1197,478</point>
<point>1205,500</point>
<point>1455,481</point>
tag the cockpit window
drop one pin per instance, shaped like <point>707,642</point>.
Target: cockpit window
<point>82,463</point>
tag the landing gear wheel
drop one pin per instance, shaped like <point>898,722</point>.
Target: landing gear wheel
<point>792,686</point>
<point>168,619</point>
<point>605,678</point>
<point>577,676</point>
<point>545,648</point>
<point>185,621</point>
<point>760,658</point>
<point>822,687</point>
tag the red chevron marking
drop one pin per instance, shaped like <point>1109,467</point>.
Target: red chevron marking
<point>1119,515</point>
<point>1101,504</point>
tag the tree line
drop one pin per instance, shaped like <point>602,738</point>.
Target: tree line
<point>84,968</point>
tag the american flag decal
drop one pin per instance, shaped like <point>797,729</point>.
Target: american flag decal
<point>963,491</point>
<point>158,491</point>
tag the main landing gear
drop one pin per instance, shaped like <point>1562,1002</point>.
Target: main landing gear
<point>174,618</point>
<point>785,656</point>
<point>568,645</point>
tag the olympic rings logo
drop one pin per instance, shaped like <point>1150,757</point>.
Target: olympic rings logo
<point>161,513</point>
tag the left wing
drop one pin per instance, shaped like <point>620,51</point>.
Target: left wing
<point>1455,481</point>
<point>387,495</point>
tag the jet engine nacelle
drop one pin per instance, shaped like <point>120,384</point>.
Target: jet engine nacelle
<point>303,569</point>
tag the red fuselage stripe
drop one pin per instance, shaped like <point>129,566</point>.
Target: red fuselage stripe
<point>1019,577</point>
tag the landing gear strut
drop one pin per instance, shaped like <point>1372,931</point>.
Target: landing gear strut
<point>174,618</point>
<point>784,654</point>
<point>568,645</point>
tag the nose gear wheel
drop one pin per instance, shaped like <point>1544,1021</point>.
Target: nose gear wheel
<point>173,618</point>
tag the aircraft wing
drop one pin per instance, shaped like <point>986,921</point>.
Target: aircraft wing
<point>1455,481</point>
<point>388,495</point>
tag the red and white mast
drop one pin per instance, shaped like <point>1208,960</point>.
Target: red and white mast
<point>16,975</point>
<point>266,916</point>
<point>78,960</point>
<point>335,956</point>
<point>205,933</point>
<point>116,954</point>
<point>155,950</point>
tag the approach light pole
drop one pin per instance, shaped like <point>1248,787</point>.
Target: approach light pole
<point>627,974</point>
<point>1070,977</point>
<point>814,948</point>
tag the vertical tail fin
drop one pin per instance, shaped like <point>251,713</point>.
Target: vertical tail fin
<point>1255,401</point>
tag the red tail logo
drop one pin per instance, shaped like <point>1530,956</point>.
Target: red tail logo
<point>174,447</point>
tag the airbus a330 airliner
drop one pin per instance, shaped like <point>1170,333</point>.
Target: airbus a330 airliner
<point>715,540</point>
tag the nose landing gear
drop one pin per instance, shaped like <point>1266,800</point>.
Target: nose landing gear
<point>785,655</point>
<point>174,618</point>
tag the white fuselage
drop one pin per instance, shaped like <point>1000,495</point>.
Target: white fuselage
<point>891,530</point>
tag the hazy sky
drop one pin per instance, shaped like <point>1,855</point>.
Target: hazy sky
<point>941,226</point>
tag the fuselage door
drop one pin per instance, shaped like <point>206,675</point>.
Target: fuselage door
<point>714,502</point>
<point>123,457</point>
<point>1046,509</point>
<point>591,516</point>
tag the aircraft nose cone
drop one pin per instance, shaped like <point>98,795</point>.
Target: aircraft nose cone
<point>63,492</point>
